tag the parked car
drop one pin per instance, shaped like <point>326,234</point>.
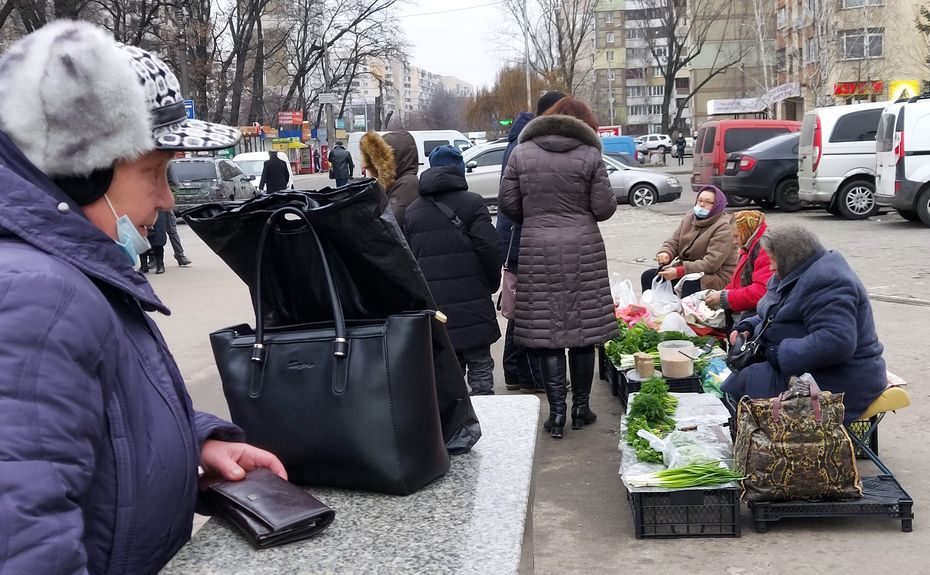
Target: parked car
<point>195,181</point>
<point>902,155</point>
<point>836,164</point>
<point>766,173</point>
<point>619,144</point>
<point>631,185</point>
<point>717,139</point>
<point>657,143</point>
<point>625,159</point>
<point>639,186</point>
<point>251,164</point>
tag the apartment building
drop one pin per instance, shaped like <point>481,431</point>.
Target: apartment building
<point>608,102</point>
<point>458,88</point>
<point>404,89</point>
<point>848,51</point>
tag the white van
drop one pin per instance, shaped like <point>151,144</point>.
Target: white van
<point>426,141</point>
<point>836,159</point>
<point>903,159</point>
<point>252,163</point>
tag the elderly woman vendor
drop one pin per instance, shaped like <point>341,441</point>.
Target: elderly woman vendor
<point>824,327</point>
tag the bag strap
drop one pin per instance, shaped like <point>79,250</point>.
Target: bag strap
<point>785,395</point>
<point>513,232</point>
<point>454,218</point>
<point>340,343</point>
<point>770,317</point>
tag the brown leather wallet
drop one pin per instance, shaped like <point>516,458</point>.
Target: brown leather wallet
<point>269,510</point>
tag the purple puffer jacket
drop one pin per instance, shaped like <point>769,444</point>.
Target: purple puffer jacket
<point>99,442</point>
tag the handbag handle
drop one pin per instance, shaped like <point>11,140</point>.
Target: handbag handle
<point>340,343</point>
<point>815,402</point>
<point>513,231</point>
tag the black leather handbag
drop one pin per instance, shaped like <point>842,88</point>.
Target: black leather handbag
<point>344,403</point>
<point>745,351</point>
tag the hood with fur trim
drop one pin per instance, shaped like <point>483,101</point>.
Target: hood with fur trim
<point>559,133</point>
<point>378,158</point>
<point>71,101</point>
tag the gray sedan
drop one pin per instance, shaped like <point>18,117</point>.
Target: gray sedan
<point>635,186</point>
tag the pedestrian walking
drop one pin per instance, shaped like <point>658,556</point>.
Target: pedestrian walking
<point>100,444</point>
<point>450,232</point>
<point>341,166</point>
<point>521,371</point>
<point>158,237</point>
<point>316,160</point>
<point>680,144</point>
<point>275,175</point>
<point>175,240</point>
<point>556,185</point>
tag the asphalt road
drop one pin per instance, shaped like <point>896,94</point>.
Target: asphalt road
<point>582,520</point>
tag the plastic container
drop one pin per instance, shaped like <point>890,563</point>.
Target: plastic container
<point>882,496</point>
<point>686,513</point>
<point>675,359</point>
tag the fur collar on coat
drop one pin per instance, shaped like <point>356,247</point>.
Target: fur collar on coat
<point>560,125</point>
<point>378,158</point>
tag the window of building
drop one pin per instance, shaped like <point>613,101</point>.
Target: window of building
<point>682,84</point>
<point>861,3</point>
<point>657,90</point>
<point>661,51</point>
<point>610,55</point>
<point>657,72</point>
<point>636,91</point>
<point>639,110</point>
<point>655,108</point>
<point>610,37</point>
<point>609,18</point>
<point>681,103</point>
<point>811,50</point>
<point>611,75</point>
<point>781,18</point>
<point>634,73</point>
<point>781,60</point>
<point>863,44</point>
<point>635,33</point>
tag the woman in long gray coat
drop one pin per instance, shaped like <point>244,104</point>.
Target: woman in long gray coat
<point>556,185</point>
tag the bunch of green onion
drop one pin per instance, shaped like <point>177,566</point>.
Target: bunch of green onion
<point>693,475</point>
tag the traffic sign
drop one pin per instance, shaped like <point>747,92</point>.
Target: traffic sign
<point>189,108</point>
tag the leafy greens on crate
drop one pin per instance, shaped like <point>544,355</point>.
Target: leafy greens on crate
<point>652,410</point>
<point>641,337</point>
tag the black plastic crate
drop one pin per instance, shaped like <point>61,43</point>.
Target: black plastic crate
<point>683,385</point>
<point>882,496</point>
<point>686,513</point>
<point>860,428</point>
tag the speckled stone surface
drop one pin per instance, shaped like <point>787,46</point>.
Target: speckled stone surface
<point>469,522</point>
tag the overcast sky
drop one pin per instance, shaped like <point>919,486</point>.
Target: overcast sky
<point>461,38</point>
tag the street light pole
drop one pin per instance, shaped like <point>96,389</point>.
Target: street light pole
<point>526,59</point>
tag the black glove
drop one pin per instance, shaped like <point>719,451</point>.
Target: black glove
<point>771,354</point>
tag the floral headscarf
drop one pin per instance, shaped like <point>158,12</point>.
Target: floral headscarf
<point>748,223</point>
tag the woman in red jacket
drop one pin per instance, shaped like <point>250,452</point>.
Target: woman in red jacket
<point>752,273</point>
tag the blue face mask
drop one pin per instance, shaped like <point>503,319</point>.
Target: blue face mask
<point>128,237</point>
<point>701,213</point>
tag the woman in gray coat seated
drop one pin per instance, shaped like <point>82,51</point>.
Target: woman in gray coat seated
<point>556,185</point>
<point>823,327</point>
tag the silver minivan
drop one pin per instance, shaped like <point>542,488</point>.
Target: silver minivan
<point>836,159</point>
<point>903,159</point>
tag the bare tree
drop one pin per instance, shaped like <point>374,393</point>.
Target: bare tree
<point>821,53</point>
<point>504,100</point>
<point>679,38</point>
<point>37,13</point>
<point>131,21</point>
<point>560,38</point>
<point>763,35</point>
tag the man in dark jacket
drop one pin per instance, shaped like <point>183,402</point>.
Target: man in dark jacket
<point>520,371</point>
<point>341,165</point>
<point>450,232</point>
<point>275,175</point>
<point>405,188</point>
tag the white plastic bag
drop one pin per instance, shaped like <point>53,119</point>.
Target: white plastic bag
<point>674,322</point>
<point>661,299</point>
<point>696,311</point>
<point>694,276</point>
<point>706,444</point>
<point>622,291</point>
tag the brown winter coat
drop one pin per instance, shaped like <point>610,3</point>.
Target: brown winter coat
<point>556,185</point>
<point>406,187</point>
<point>705,246</point>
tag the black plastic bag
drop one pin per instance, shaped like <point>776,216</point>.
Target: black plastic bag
<point>375,273</point>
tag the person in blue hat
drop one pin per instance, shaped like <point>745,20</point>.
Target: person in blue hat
<point>450,232</point>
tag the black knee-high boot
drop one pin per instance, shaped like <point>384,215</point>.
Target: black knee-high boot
<point>552,366</point>
<point>581,365</point>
